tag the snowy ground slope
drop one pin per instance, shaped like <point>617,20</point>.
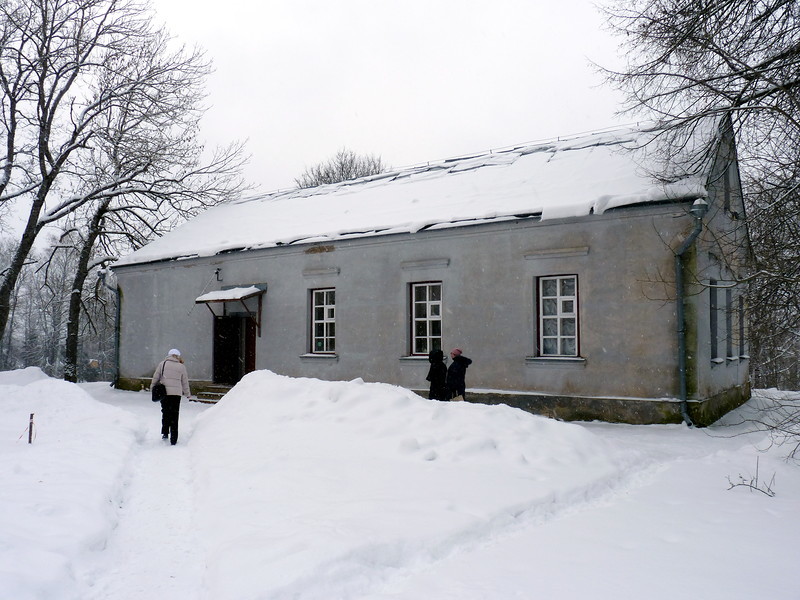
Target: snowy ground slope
<point>297,488</point>
<point>58,494</point>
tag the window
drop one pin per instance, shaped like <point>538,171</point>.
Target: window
<point>558,316</point>
<point>323,320</point>
<point>742,332</point>
<point>729,330</point>
<point>726,187</point>
<point>712,318</point>
<point>426,317</point>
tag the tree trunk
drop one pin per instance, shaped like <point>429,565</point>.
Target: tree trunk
<point>14,270</point>
<point>76,296</point>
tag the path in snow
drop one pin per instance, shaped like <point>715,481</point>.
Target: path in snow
<point>153,552</point>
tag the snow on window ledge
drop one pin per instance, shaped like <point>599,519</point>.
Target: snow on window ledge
<point>717,361</point>
<point>313,356</point>
<point>556,362</point>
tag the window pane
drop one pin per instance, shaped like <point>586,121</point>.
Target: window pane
<point>549,327</point>
<point>420,346</point>
<point>568,327</point>
<point>332,345</point>
<point>436,310</point>
<point>331,313</point>
<point>549,287</point>
<point>331,329</point>
<point>331,299</point>
<point>420,293</point>
<point>319,313</point>
<point>421,328</point>
<point>550,307</point>
<point>568,287</point>
<point>421,310</point>
<point>567,307</point>
<point>319,329</point>
<point>550,346</point>
<point>568,347</point>
<point>436,293</point>
<point>436,328</point>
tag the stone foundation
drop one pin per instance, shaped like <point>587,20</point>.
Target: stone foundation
<point>618,410</point>
<point>564,408</point>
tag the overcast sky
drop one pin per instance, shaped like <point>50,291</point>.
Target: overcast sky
<point>410,81</point>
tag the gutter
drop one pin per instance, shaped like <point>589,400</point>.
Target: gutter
<point>698,211</point>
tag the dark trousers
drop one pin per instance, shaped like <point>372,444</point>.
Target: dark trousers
<point>170,408</point>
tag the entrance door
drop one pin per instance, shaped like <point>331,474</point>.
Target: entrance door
<point>234,348</point>
<point>249,346</point>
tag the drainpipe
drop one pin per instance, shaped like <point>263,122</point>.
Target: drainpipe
<point>698,211</point>
<point>115,289</point>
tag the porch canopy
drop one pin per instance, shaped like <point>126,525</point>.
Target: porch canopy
<point>248,297</point>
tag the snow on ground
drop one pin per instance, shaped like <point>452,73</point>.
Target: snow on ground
<point>58,494</point>
<point>304,489</point>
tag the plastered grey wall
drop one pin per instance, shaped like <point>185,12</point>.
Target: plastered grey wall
<point>622,259</point>
<point>721,255</point>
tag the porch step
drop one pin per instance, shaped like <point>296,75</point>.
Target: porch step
<point>211,394</point>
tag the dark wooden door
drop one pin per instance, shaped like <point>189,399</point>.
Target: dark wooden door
<point>227,350</point>
<point>249,346</point>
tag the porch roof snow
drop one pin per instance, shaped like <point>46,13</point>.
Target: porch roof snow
<point>570,178</point>
<point>229,295</point>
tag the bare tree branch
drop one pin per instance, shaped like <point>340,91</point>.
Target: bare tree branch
<point>345,165</point>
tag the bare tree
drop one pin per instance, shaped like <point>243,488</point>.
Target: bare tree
<point>774,304</point>
<point>688,60</point>
<point>345,165</point>
<point>99,120</point>
<point>143,173</point>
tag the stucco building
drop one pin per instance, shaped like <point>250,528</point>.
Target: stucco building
<point>581,285</point>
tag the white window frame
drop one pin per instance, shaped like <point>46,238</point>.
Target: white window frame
<point>557,318</point>
<point>323,321</point>
<point>426,317</point>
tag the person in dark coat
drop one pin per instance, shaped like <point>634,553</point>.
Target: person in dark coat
<point>172,373</point>
<point>437,375</point>
<point>456,374</point>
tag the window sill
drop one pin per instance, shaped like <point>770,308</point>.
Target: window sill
<point>556,362</point>
<point>415,357</point>
<point>312,356</point>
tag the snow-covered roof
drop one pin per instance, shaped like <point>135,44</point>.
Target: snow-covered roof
<point>574,177</point>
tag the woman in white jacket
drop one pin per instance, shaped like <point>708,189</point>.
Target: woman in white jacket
<point>172,373</point>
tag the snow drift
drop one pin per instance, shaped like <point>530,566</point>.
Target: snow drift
<point>344,478</point>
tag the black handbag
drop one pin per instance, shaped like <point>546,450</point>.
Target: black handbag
<point>159,390</point>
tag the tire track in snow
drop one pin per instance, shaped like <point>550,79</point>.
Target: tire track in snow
<point>153,551</point>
